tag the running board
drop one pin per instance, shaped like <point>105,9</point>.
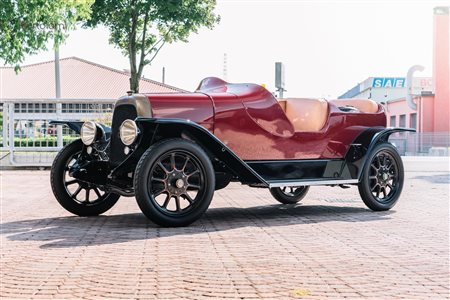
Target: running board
<point>279,183</point>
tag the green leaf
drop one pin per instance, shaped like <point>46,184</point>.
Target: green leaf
<point>167,22</point>
<point>27,25</point>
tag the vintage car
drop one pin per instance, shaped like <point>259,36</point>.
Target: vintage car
<point>172,151</point>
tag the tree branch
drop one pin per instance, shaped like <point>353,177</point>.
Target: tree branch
<point>162,39</point>
<point>143,54</point>
<point>156,52</point>
<point>154,46</point>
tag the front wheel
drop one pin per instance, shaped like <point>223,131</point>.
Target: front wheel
<point>174,182</point>
<point>77,197</point>
<point>382,180</point>
<point>289,195</point>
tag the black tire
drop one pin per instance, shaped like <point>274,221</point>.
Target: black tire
<point>289,195</point>
<point>174,182</point>
<point>382,179</point>
<point>68,190</point>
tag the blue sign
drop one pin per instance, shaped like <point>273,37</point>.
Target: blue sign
<point>388,82</point>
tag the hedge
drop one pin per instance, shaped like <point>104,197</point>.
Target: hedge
<point>42,141</point>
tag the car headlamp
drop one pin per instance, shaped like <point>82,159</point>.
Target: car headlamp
<point>88,132</point>
<point>128,132</point>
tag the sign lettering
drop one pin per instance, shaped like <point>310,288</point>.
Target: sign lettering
<point>388,82</point>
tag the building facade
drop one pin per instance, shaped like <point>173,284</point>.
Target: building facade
<point>429,110</point>
<point>27,104</point>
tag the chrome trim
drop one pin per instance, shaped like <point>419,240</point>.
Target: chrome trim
<point>92,126</point>
<point>312,182</point>
<point>133,126</point>
<point>140,102</point>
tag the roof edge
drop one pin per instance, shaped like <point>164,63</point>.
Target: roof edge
<point>100,66</point>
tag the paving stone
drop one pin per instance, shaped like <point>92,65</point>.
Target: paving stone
<point>246,246</point>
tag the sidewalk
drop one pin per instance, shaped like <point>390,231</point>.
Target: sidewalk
<point>247,246</point>
<point>426,163</point>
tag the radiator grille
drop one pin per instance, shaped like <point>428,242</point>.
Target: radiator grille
<point>121,113</point>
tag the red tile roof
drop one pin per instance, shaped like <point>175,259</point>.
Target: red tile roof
<point>80,79</point>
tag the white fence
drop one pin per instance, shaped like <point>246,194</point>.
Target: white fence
<point>28,140</point>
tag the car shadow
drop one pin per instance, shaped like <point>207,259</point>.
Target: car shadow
<point>73,231</point>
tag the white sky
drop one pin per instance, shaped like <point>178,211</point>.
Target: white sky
<point>327,46</point>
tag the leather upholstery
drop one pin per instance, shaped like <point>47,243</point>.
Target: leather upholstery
<point>306,114</point>
<point>363,105</point>
<point>282,103</point>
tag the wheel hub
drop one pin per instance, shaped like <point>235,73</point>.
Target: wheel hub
<point>383,176</point>
<point>177,182</point>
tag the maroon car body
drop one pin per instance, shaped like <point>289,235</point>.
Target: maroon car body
<point>250,121</point>
<point>161,148</point>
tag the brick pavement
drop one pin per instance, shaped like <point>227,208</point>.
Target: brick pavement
<point>247,246</point>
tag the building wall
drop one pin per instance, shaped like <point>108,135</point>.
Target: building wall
<point>423,116</point>
<point>400,110</point>
<point>441,69</point>
<point>386,94</point>
<point>426,110</point>
<point>382,89</point>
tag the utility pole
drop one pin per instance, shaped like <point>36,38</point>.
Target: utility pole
<point>225,67</point>
<point>279,79</point>
<point>59,128</point>
<point>164,75</point>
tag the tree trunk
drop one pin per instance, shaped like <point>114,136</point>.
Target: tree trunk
<point>134,82</point>
<point>134,77</point>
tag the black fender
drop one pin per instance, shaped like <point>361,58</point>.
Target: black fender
<point>223,158</point>
<point>76,126</point>
<point>362,146</point>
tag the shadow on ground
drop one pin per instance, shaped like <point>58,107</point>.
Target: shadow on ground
<point>66,232</point>
<point>438,178</point>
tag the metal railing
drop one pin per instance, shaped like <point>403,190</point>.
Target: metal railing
<point>422,143</point>
<point>27,138</point>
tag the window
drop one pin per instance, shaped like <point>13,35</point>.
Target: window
<point>393,121</point>
<point>402,121</point>
<point>413,120</point>
<point>51,107</point>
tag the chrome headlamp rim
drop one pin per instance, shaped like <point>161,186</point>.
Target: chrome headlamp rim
<point>88,132</point>
<point>128,132</point>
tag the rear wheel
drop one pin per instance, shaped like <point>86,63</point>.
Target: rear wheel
<point>289,194</point>
<point>174,183</point>
<point>382,181</point>
<point>77,197</point>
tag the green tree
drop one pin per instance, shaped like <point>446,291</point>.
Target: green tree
<point>27,25</point>
<point>140,28</point>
